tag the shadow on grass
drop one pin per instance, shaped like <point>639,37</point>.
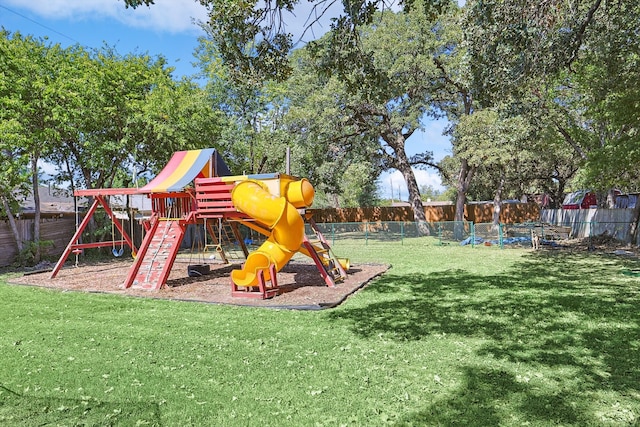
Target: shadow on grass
<point>486,390</point>
<point>21,410</point>
<point>571,312</point>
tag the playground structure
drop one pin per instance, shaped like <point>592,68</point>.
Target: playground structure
<point>273,205</point>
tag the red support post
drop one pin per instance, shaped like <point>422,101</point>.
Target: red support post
<point>265,291</point>
<point>318,262</point>
<point>74,240</point>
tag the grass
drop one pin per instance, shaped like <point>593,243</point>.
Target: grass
<point>449,336</point>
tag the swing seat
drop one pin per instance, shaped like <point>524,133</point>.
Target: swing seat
<point>197,270</point>
<point>117,252</point>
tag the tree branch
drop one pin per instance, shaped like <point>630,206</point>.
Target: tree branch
<point>581,31</point>
<point>567,136</point>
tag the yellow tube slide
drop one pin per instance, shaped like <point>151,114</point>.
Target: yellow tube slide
<point>254,199</point>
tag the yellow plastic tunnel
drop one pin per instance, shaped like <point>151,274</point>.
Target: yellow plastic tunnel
<point>254,199</point>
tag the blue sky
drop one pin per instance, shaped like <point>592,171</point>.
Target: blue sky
<point>168,29</point>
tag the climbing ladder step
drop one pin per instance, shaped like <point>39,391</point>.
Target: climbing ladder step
<point>152,271</point>
<point>326,261</point>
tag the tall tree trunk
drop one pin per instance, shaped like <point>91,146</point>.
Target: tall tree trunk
<point>414,193</point>
<point>610,199</point>
<point>497,202</point>
<point>635,223</point>
<point>36,200</point>
<point>12,223</point>
<point>464,180</point>
<point>558,195</point>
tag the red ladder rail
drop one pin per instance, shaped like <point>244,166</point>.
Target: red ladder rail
<point>155,267</point>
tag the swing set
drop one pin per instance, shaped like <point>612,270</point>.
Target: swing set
<point>117,224</point>
<point>172,208</point>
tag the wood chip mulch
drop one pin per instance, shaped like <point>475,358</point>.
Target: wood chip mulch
<point>302,286</point>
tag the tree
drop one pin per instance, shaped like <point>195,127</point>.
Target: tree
<point>175,116</point>
<point>515,45</point>
<point>253,39</point>
<point>499,149</point>
<point>518,57</point>
<point>28,101</point>
<point>325,145</point>
<point>580,104</point>
<point>13,184</point>
<point>358,187</point>
<point>553,62</point>
<point>14,177</point>
<point>253,140</point>
<point>605,89</point>
<point>552,166</point>
<point>387,92</point>
<point>429,193</point>
<point>564,54</point>
<point>264,121</point>
<point>116,128</point>
<point>122,113</point>
<point>94,115</point>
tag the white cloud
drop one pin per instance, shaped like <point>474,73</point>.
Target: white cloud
<point>169,15</point>
<point>392,184</point>
<point>173,16</point>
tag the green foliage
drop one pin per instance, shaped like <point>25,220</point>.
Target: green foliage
<point>253,41</point>
<point>136,3</point>
<point>568,68</point>
<point>358,189</point>
<point>502,151</point>
<point>253,140</point>
<point>380,99</point>
<point>515,45</point>
<point>571,68</point>
<point>428,192</point>
<point>250,39</point>
<point>606,83</point>
<point>95,114</point>
<point>14,177</point>
<point>29,255</point>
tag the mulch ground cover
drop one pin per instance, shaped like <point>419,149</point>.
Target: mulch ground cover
<point>301,285</point>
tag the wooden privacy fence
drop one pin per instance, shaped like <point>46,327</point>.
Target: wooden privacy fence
<point>58,228</point>
<point>511,213</point>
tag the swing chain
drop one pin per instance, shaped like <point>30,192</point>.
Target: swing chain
<point>116,252</point>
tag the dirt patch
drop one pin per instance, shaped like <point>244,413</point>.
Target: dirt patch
<point>302,286</point>
<point>602,244</point>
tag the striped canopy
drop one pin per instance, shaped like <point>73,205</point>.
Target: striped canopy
<point>183,168</point>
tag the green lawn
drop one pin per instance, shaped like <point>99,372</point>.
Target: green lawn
<point>449,336</point>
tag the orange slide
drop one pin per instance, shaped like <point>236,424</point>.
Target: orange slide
<point>280,215</point>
